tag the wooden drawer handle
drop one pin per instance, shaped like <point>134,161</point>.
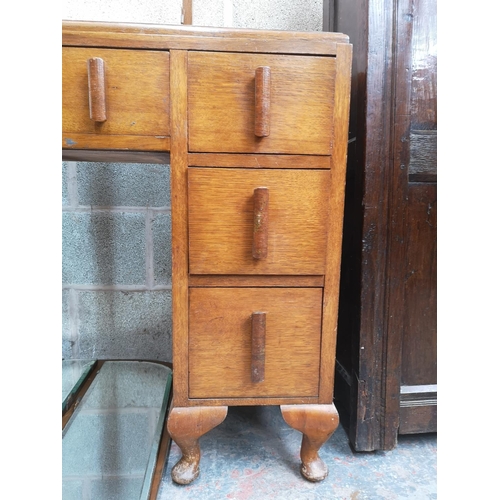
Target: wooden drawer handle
<point>258,346</point>
<point>97,89</point>
<point>260,222</point>
<point>262,101</point>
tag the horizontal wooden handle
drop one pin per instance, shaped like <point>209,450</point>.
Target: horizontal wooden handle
<point>97,89</point>
<point>258,346</point>
<point>260,222</point>
<point>262,101</point>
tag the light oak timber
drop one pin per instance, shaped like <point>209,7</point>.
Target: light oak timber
<point>186,426</point>
<point>124,35</point>
<point>222,111</point>
<point>253,281</point>
<point>249,401</point>
<point>221,221</point>
<point>317,423</point>
<point>115,142</point>
<point>179,190</point>
<point>258,161</point>
<point>135,94</point>
<point>131,32</point>
<point>257,186</point>
<point>220,342</point>
<point>335,225</point>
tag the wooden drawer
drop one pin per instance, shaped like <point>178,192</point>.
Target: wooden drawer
<point>220,342</point>
<point>136,88</point>
<point>222,96</point>
<point>221,221</point>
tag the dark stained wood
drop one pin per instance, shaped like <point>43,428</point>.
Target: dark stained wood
<point>258,346</point>
<point>397,245</point>
<point>186,426</point>
<point>97,89</point>
<point>423,156</point>
<point>362,313</point>
<point>392,109</point>
<point>262,101</point>
<point>418,419</point>
<point>260,222</point>
<point>257,161</point>
<point>419,345</point>
<point>317,423</point>
<point>414,220</point>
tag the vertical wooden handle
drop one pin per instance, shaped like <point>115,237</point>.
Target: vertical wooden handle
<point>262,101</point>
<point>97,89</point>
<point>258,346</point>
<point>260,222</point>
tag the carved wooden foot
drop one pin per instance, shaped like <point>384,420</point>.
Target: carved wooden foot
<point>186,426</point>
<point>317,423</point>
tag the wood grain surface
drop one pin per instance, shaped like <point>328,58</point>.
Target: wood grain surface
<point>156,36</point>
<point>256,125</point>
<point>250,280</point>
<point>257,161</point>
<point>221,102</point>
<point>317,423</point>
<point>335,222</point>
<point>186,426</point>
<point>99,141</point>
<point>178,186</point>
<point>137,95</point>
<point>221,221</point>
<point>220,347</point>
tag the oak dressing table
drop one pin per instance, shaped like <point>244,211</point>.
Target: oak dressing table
<point>254,126</point>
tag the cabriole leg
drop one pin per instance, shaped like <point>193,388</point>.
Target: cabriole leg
<point>186,426</point>
<point>317,423</point>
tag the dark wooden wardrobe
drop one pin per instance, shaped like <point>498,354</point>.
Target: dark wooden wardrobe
<point>386,377</point>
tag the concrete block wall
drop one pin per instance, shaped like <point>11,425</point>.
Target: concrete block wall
<point>116,255</point>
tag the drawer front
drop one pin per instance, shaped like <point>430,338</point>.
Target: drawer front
<point>220,342</point>
<point>222,219</point>
<point>222,103</point>
<point>136,90</point>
